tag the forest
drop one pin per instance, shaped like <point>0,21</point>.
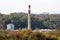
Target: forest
<point>41,21</point>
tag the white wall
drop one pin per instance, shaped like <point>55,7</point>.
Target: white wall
<point>10,26</point>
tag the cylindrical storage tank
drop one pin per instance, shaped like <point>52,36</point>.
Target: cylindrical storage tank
<point>10,26</point>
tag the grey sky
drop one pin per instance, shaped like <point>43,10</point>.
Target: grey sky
<point>37,6</point>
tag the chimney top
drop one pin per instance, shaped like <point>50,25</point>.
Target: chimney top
<point>29,6</point>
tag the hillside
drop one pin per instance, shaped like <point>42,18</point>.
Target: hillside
<point>41,21</point>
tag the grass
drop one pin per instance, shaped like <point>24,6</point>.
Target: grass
<point>7,35</point>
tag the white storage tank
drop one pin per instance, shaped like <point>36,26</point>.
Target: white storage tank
<point>10,26</point>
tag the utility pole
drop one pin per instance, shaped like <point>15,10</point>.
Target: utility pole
<point>29,18</point>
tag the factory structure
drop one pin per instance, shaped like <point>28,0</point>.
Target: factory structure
<point>29,18</point>
<point>11,26</point>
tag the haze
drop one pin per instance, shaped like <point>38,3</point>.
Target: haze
<point>37,6</point>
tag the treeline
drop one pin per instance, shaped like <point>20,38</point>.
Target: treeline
<point>41,21</point>
<point>26,35</point>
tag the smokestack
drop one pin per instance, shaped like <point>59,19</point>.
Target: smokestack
<point>29,20</point>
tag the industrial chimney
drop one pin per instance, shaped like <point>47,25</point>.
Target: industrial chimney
<point>29,20</point>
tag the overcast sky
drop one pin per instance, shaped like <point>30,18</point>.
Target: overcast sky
<point>37,6</point>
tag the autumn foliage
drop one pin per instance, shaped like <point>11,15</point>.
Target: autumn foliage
<point>26,35</point>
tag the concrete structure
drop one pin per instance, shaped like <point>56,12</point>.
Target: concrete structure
<point>29,20</point>
<point>44,30</point>
<point>10,26</point>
